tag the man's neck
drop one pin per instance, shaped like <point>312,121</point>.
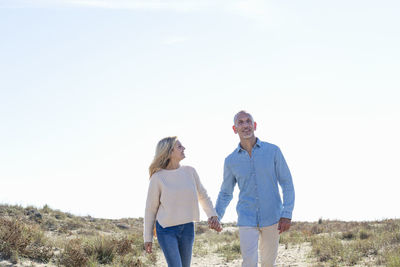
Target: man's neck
<point>248,144</point>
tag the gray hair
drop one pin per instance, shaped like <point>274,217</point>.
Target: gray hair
<point>242,112</point>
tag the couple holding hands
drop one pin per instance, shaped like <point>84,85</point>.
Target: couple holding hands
<point>258,168</point>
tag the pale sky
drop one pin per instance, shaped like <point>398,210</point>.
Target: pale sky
<point>88,88</point>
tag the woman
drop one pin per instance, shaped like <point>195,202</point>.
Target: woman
<point>172,204</point>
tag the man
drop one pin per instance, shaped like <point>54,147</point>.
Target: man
<point>258,168</point>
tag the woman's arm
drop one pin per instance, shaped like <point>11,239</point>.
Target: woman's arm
<point>203,197</point>
<point>152,204</point>
<point>206,204</point>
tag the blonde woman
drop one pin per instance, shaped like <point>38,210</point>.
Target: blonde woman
<point>172,204</point>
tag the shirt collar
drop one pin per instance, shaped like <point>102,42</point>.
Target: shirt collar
<point>257,144</point>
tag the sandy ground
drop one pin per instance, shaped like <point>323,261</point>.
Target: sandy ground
<point>4,263</point>
<point>293,256</point>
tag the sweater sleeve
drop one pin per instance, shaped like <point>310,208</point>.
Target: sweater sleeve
<point>152,204</point>
<point>203,197</point>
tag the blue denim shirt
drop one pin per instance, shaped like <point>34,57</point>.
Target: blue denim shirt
<point>258,177</point>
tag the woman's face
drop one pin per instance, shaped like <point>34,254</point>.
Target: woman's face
<point>178,153</point>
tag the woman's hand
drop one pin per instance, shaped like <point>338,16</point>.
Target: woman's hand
<point>213,223</point>
<point>148,247</point>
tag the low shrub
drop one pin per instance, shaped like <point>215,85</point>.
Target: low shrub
<point>20,239</point>
<point>104,250</point>
<point>364,234</point>
<point>327,248</point>
<point>348,235</point>
<point>73,254</point>
<point>229,251</point>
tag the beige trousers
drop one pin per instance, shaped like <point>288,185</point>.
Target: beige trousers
<point>269,243</point>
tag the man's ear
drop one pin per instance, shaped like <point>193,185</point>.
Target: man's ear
<point>234,129</point>
<point>255,126</point>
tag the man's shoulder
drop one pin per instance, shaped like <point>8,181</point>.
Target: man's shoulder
<point>232,155</point>
<point>263,145</point>
<point>268,146</point>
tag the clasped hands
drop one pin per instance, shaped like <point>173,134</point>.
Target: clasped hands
<point>213,223</point>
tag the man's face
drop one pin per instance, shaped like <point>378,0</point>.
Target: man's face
<point>244,127</point>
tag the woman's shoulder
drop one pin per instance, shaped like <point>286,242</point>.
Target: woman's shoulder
<point>188,168</point>
<point>183,169</point>
<point>191,171</point>
<point>155,177</point>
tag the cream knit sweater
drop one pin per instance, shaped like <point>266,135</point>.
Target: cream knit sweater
<point>173,198</point>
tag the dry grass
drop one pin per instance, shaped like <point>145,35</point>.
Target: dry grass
<point>73,254</point>
<point>336,243</point>
<point>78,241</point>
<point>46,235</point>
<point>229,251</point>
<point>105,250</point>
<point>20,240</point>
<point>225,244</point>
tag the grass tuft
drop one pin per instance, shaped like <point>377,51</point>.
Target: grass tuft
<point>19,239</point>
<point>229,251</point>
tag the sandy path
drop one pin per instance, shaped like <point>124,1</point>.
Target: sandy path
<point>293,256</point>
<point>25,263</point>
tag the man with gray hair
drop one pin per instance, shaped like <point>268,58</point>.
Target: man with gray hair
<point>258,168</point>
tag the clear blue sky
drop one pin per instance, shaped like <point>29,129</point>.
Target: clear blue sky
<point>87,88</point>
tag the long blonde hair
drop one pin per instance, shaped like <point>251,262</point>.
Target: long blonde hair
<point>163,153</point>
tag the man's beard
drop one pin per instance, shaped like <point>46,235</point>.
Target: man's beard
<point>248,136</point>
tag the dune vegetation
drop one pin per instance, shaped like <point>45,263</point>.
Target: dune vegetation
<point>48,237</point>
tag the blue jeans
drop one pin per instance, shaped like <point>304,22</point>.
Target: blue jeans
<point>176,243</point>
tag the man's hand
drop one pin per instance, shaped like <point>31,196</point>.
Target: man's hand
<point>148,247</point>
<point>284,225</point>
<point>213,223</point>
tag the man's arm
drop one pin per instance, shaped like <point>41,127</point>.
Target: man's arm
<point>226,192</point>
<point>285,181</point>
